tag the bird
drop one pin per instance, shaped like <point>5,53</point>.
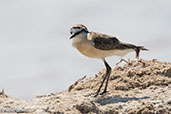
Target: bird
<point>100,46</point>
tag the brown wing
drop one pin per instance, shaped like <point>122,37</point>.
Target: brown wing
<point>104,42</point>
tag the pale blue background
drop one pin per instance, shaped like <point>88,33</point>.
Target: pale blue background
<point>36,56</point>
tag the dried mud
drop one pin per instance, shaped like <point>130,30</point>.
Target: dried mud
<point>138,87</point>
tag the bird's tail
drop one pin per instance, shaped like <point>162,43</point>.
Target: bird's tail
<point>138,48</point>
<point>131,46</point>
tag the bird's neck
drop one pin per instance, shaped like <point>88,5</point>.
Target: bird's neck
<point>79,38</point>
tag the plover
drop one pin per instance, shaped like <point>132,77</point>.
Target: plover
<point>97,45</point>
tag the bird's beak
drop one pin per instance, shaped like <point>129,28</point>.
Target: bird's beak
<point>72,36</point>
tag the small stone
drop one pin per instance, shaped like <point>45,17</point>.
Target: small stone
<point>120,106</point>
<point>126,95</point>
<point>160,106</point>
<point>169,102</point>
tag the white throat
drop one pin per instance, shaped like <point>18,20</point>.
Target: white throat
<point>82,36</point>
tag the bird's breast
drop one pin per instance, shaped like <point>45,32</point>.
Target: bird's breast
<point>85,47</point>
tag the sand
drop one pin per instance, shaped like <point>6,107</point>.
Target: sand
<point>138,87</point>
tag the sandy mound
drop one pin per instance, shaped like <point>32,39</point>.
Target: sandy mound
<point>138,87</point>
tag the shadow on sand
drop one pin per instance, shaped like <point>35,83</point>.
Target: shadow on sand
<point>117,99</point>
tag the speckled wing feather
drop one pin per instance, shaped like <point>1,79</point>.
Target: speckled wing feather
<point>103,42</point>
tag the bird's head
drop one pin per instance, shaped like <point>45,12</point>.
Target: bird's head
<point>77,29</point>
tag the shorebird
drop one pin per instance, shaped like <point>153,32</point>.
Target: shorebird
<point>100,46</point>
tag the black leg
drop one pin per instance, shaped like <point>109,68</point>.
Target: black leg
<point>108,70</point>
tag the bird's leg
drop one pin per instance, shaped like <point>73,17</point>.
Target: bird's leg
<point>100,86</point>
<point>108,70</point>
<point>121,61</point>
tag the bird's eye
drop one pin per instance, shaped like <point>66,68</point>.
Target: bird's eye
<point>71,32</point>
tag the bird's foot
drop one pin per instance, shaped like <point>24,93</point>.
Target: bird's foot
<point>96,94</point>
<point>90,95</point>
<point>104,92</point>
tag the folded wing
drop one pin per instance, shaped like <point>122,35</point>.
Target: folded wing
<point>104,42</point>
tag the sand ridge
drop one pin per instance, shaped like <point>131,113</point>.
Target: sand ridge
<point>138,87</point>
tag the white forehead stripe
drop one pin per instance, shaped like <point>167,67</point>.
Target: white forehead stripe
<point>74,30</point>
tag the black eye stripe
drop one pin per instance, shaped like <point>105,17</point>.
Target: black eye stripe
<point>76,27</point>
